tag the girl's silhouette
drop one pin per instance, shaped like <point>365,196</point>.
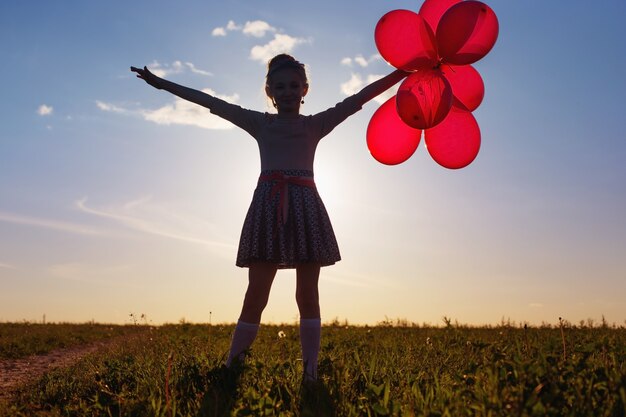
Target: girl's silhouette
<point>287,225</point>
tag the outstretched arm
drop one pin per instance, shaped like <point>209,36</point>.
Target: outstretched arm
<point>380,86</point>
<point>189,94</point>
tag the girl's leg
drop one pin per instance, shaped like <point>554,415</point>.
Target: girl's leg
<point>260,278</point>
<point>307,297</point>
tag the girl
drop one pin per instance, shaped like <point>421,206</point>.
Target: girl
<point>287,225</point>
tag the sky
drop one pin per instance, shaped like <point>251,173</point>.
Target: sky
<point>119,199</point>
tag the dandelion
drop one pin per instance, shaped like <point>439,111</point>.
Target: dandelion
<point>281,335</point>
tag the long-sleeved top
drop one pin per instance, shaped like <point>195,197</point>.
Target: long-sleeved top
<point>286,143</point>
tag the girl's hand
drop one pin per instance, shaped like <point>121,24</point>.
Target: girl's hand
<point>186,93</point>
<point>147,76</point>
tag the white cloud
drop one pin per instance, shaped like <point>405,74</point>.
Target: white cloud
<point>6,266</point>
<point>361,60</point>
<point>179,112</point>
<point>45,110</point>
<point>176,67</point>
<point>353,85</point>
<point>145,216</point>
<point>232,25</point>
<point>218,31</point>
<point>257,28</point>
<point>359,80</point>
<point>163,70</point>
<point>280,44</point>
<point>195,70</point>
<point>387,94</point>
<point>50,224</point>
<point>183,112</point>
<point>347,61</point>
<point>356,83</point>
<point>221,31</point>
<point>110,107</point>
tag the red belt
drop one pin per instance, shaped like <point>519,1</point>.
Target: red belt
<point>281,187</point>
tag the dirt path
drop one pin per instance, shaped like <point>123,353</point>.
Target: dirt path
<point>15,372</point>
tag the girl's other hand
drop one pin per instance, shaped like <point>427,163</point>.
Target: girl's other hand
<point>147,76</point>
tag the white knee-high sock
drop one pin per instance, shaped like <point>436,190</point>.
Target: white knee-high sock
<point>244,335</point>
<point>310,335</point>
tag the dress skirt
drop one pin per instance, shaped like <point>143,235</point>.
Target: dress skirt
<point>287,223</point>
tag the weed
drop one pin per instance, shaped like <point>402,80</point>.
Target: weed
<point>364,371</point>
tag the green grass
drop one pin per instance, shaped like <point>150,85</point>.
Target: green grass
<point>18,340</point>
<point>376,371</point>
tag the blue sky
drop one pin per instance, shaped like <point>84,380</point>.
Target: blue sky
<point>117,198</point>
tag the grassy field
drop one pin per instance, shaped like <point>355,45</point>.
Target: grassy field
<point>174,370</point>
<point>18,340</point>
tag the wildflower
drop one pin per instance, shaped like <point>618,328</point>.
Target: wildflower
<point>428,342</point>
<point>281,335</point>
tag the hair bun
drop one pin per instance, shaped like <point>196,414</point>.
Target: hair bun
<point>281,61</point>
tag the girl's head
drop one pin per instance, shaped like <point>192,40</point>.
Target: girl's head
<point>286,83</point>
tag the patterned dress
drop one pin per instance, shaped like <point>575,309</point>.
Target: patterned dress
<point>287,223</point>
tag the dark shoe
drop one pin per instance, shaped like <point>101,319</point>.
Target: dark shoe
<point>220,395</point>
<point>316,400</point>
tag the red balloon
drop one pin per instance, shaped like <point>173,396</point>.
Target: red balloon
<point>424,99</point>
<point>389,139</point>
<point>455,142</point>
<point>432,10</point>
<point>405,40</point>
<point>466,32</point>
<point>467,85</point>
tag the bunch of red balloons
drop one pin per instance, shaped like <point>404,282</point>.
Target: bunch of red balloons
<point>437,45</point>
